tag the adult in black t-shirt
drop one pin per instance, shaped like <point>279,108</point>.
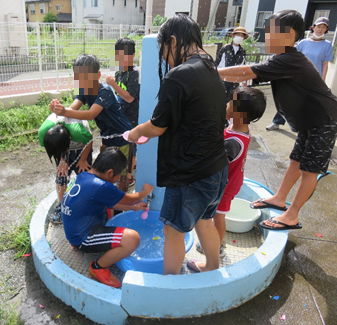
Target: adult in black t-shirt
<point>189,119</point>
<point>302,97</point>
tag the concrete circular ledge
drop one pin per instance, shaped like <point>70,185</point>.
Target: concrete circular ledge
<point>158,296</point>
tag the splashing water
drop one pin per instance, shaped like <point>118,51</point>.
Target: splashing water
<point>100,136</point>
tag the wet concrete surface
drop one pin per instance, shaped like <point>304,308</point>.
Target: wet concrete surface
<point>306,282</point>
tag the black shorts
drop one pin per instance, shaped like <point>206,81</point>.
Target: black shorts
<point>102,239</point>
<point>313,148</point>
<point>71,157</point>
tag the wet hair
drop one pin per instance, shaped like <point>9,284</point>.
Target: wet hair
<point>110,158</point>
<point>251,101</point>
<point>188,35</point>
<point>56,142</point>
<point>87,60</point>
<point>127,45</point>
<point>288,18</point>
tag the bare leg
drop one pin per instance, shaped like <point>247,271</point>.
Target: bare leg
<point>307,185</point>
<point>129,243</point>
<point>60,191</point>
<point>174,250</point>
<point>209,240</point>
<point>290,178</point>
<point>220,225</point>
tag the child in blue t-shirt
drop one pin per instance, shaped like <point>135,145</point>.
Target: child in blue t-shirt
<point>103,106</point>
<point>83,208</point>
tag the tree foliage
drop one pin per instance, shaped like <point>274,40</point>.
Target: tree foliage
<point>159,20</point>
<point>50,17</point>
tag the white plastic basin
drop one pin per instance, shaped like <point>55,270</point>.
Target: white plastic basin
<point>241,217</point>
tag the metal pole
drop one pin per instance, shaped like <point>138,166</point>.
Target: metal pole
<point>56,59</point>
<point>214,9</point>
<point>120,31</point>
<point>39,53</point>
<point>148,20</point>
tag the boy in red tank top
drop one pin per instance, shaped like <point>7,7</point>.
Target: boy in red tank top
<point>246,105</point>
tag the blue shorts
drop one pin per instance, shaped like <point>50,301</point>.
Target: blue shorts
<point>184,206</point>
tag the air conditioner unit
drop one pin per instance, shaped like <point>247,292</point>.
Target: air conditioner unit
<point>16,35</point>
<point>11,18</point>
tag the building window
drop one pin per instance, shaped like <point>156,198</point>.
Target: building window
<point>94,3</point>
<point>320,13</point>
<point>224,1</point>
<point>73,3</point>
<point>113,3</point>
<point>58,7</point>
<point>136,3</point>
<point>124,3</point>
<point>42,8</point>
<point>261,18</point>
<point>32,9</point>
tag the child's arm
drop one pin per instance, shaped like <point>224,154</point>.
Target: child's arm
<point>82,164</point>
<point>237,73</point>
<point>233,148</point>
<point>110,80</point>
<point>133,198</point>
<point>59,109</point>
<point>62,168</point>
<point>146,129</point>
<point>136,207</point>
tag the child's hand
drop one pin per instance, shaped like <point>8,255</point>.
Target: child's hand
<point>110,80</point>
<point>147,189</point>
<point>134,135</point>
<point>56,107</point>
<point>83,166</point>
<point>62,169</point>
<point>139,206</point>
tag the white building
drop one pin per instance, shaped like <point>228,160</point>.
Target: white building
<point>174,6</point>
<point>127,12</point>
<point>13,32</point>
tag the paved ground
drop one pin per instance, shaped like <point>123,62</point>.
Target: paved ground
<point>307,280</point>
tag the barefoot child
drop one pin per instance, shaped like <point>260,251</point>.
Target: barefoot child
<point>189,119</point>
<point>246,105</point>
<point>83,207</point>
<point>308,105</point>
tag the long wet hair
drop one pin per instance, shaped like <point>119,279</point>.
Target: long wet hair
<point>56,142</point>
<point>188,35</point>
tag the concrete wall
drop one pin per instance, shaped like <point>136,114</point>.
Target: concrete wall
<point>173,6</point>
<point>250,20</point>
<point>299,5</point>
<point>13,37</point>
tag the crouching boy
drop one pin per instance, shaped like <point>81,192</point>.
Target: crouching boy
<point>83,207</point>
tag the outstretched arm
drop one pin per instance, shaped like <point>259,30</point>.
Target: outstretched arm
<point>146,129</point>
<point>134,198</point>
<point>237,73</point>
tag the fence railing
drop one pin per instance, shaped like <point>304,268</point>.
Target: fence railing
<point>36,57</point>
<point>46,52</point>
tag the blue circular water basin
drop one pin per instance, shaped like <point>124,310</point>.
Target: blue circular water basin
<point>148,257</point>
